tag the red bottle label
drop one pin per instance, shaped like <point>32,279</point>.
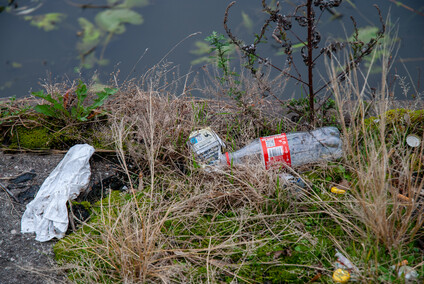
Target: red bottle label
<point>275,150</point>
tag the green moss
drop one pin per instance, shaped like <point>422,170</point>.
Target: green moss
<point>42,138</point>
<point>56,137</point>
<point>399,123</point>
<point>403,120</point>
<point>87,206</point>
<point>77,248</point>
<point>99,140</point>
<point>31,138</point>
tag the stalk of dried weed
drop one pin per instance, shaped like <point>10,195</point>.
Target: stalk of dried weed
<point>132,243</point>
<point>135,242</point>
<point>377,162</point>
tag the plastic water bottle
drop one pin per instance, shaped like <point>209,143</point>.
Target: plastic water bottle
<point>291,149</point>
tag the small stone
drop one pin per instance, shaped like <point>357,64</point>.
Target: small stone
<point>13,232</point>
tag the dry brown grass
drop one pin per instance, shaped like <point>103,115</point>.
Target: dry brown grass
<point>384,166</point>
<point>132,241</point>
<point>183,224</point>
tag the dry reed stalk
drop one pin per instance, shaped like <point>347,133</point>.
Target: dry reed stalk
<point>130,241</point>
<point>371,157</point>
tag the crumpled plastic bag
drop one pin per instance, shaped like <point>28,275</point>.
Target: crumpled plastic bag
<point>47,214</point>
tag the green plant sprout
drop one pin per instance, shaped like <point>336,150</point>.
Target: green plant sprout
<point>219,45</point>
<point>219,50</point>
<point>59,107</point>
<point>8,110</point>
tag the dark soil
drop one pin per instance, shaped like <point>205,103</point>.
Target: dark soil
<point>22,258</point>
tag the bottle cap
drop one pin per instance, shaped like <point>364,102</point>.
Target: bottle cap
<point>413,140</point>
<point>337,190</point>
<point>341,276</point>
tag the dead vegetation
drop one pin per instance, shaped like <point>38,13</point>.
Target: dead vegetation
<point>180,223</point>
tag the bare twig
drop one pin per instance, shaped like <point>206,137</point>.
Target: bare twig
<point>91,6</point>
<point>407,7</point>
<point>9,193</point>
<point>245,49</point>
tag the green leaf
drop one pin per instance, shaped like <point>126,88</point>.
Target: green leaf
<point>135,3</point>
<point>90,33</point>
<point>81,92</point>
<point>383,269</point>
<point>83,118</point>
<point>46,110</point>
<point>89,61</point>
<point>48,22</point>
<point>97,87</point>
<point>112,2</point>
<point>74,112</point>
<point>365,34</point>
<point>114,20</point>
<point>103,62</point>
<point>247,22</point>
<point>80,113</point>
<point>39,94</point>
<point>58,105</point>
<point>47,97</point>
<point>16,64</point>
<point>101,97</point>
<point>202,48</point>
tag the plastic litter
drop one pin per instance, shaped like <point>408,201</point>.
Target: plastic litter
<point>345,264</point>
<point>289,180</point>
<point>413,140</point>
<point>337,190</point>
<point>47,214</point>
<point>206,146</point>
<point>405,271</point>
<point>402,263</point>
<point>291,149</point>
<point>341,275</point>
<point>408,273</point>
<point>404,198</point>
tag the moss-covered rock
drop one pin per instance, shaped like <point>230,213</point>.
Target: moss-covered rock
<point>31,138</point>
<point>399,123</point>
<point>101,137</point>
<point>402,120</point>
<point>55,137</point>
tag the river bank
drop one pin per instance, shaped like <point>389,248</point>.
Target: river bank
<point>240,220</point>
<point>170,220</point>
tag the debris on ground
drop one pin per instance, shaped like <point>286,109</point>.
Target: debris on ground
<point>47,214</point>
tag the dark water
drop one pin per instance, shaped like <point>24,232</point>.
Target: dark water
<point>30,55</point>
